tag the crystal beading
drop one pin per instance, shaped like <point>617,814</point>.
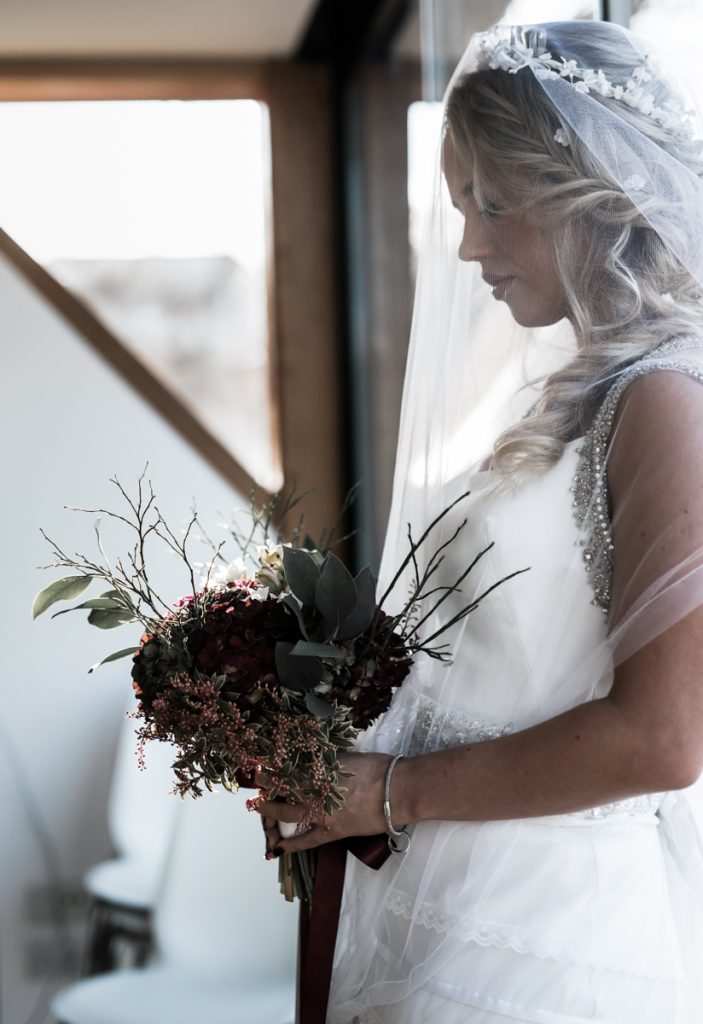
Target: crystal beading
<point>438,728</point>
<point>591,506</point>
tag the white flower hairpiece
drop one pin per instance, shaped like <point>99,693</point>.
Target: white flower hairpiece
<point>526,49</point>
<point>635,183</point>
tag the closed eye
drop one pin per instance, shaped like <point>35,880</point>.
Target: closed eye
<point>491,209</point>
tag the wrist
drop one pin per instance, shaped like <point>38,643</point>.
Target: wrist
<point>404,793</point>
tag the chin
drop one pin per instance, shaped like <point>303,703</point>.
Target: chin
<point>530,316</point>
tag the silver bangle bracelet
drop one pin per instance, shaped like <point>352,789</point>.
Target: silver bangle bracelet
<point>398,839</point>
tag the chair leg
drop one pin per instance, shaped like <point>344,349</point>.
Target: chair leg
<point>112,928</point>
<point>142,950</point>
<point>98,957</point>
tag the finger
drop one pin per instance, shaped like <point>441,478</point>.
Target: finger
<point>318,835</point>
<point>272,809</point>
<point>273,841</point>
<point>272,836</point>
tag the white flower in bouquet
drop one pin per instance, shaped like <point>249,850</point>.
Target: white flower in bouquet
<point>271,575</point>
<point>235,571</point>
<point>271,555</point>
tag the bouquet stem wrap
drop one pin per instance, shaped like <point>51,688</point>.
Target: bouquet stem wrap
<point>319,920</point>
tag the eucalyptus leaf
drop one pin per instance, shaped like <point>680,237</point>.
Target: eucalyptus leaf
<point>104,603</point>
<point>302,574</point>
<point>303,647</point>
<point>295,672</point>
<point>318,706</point>
<point>60,590</point>
<point>329,630</point>
<point>109,619</point>
<point>292,602</point>
<point>335,594</point>
<point>360,618</point>
<point>125,652</point>
<point>101,603</point>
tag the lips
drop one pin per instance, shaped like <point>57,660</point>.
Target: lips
<point>499,284</point>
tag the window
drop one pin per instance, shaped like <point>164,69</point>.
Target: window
<point>156,214</point>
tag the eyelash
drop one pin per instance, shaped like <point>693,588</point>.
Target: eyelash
<point>490,210</point>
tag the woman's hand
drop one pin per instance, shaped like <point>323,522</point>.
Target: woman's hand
<point>360,815</point>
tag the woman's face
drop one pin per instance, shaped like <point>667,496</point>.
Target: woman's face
<point>516,257</point>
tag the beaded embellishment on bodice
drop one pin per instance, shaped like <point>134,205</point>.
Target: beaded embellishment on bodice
<point>590,487</point>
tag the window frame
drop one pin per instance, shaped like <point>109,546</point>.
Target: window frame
<point>304,345</point>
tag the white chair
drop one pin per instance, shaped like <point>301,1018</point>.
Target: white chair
<point>225,937</point>
<point>141,814</point>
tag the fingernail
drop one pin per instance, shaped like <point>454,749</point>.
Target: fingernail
<point>278,851</point>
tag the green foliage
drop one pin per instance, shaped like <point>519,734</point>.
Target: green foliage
<point>318,705</point>
<point>360,617</point>
<point>124,653</point>
<point>293,605</point>
<point>302,574</point>
<point>60,590</point>
<point>110,619</point>
<point>296,672</point>
<point>303,647</point>
<point>335,594</point>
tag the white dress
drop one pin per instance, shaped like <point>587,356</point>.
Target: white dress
<point>588,916</point>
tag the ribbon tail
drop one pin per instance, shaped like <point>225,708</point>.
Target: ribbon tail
<point>319,921</point>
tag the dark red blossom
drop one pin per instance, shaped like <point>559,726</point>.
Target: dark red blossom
<point>206,681</point>
<point>228,635</point>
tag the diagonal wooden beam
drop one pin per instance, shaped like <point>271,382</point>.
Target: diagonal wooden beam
<point>306,336</point>
<point>132,370</point>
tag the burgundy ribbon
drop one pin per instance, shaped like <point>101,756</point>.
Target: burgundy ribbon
<point>320,919</point>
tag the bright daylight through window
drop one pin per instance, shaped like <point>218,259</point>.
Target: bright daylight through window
<point>156,214</point>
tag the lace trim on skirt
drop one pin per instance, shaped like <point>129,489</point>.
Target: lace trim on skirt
<point>514,938</point>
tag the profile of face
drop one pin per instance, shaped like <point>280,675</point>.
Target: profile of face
<point>516,257</point>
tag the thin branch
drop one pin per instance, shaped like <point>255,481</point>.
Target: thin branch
<point>424,536</point>
<point>455,586</point>
<point>473,606</point>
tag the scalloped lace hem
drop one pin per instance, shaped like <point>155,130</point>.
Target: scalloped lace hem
<point>439,921</point>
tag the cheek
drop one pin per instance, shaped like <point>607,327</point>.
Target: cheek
<point>541,264</point>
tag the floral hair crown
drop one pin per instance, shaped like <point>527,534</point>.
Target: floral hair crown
<point>517,48</point>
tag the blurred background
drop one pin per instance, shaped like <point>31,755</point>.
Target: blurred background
<point>209,220</point>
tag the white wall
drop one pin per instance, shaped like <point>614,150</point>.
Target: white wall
<point>67,424</point>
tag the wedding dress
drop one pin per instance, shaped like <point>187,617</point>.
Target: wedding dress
<point>595,915</point>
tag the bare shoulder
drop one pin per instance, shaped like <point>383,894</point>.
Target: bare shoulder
<point>659,423</point>
<point>655,477</point>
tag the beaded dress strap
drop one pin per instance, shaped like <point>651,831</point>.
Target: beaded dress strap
<point>590,490</point>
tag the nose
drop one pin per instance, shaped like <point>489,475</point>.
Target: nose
<point>477,239</point>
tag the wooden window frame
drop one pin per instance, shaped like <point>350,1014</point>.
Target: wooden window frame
<point>305,347</point>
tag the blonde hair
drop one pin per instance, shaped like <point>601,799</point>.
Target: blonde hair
<point>627,292</point>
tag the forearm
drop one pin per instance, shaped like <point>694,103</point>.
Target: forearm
<point>587,756</point>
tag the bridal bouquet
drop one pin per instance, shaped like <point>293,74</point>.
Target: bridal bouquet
<point>273,661</point>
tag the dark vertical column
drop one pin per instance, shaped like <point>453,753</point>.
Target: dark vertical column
<point>353,38</point>
<point>618,11</point>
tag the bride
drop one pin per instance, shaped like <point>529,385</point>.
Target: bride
<point>548,867</point>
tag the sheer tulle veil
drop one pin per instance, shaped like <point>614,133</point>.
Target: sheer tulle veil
<point>472,370</point>
<point>622,157</point>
